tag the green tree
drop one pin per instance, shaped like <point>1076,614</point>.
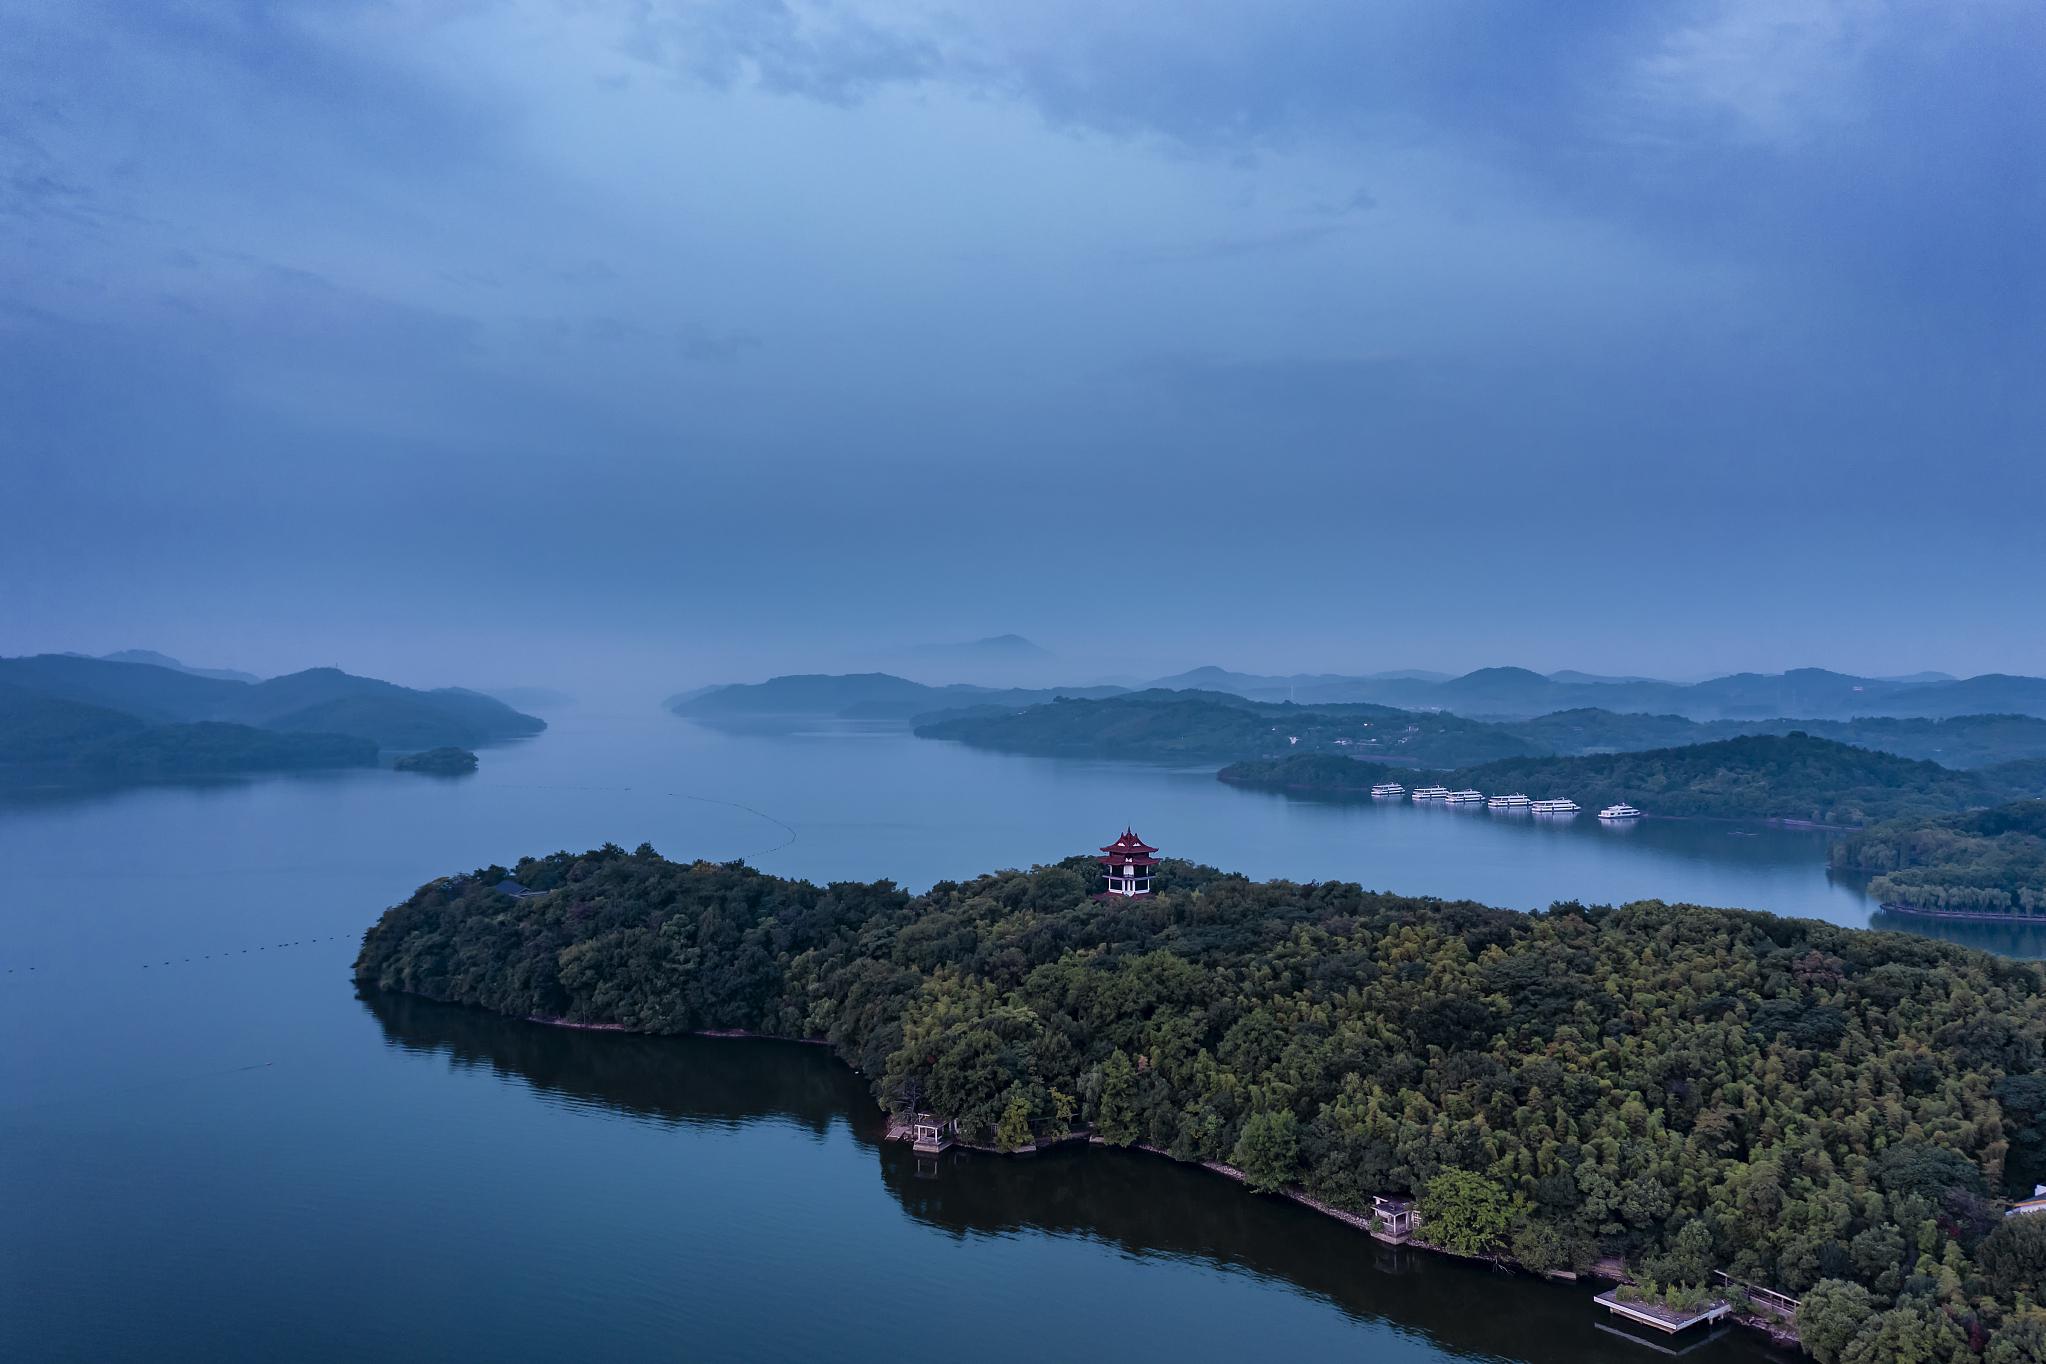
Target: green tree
<point>2020,1340</point>
<point>1916,1333</point>
<point>1116,1118</point>
<point>1268,1151</point>
<point>2013,1257</point>
<point>1830,1314</point>
<point>1539,1246</point>
<point>1012,1133</point>
<point>1464,1212</point>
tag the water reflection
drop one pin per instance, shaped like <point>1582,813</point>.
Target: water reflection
<point>1145,1206</point>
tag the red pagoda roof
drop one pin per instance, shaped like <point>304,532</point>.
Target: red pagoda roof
<point>1130,845</point>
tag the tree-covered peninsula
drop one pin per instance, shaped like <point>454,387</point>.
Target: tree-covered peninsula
<point>1765,776</point>
<point>1828,1111</point>
<point>1982,862</point>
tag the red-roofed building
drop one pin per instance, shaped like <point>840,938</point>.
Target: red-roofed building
<point>1127,864</point>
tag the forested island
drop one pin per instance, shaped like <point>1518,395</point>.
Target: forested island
<point>1831,1112</point>
<point>1790,777</point>
<point>1985,862</point>
<point>124,717</point>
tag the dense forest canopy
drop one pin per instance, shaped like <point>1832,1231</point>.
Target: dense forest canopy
<point>1825,1110</point>
<point>1985,861</point>
<point>1790,776</point>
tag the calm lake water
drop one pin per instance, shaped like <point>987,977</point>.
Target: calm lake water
<point>210,1147</point>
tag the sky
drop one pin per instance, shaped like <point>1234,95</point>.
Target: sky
<point>505,341</point>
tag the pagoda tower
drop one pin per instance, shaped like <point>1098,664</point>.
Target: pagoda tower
<point>1127,864</point>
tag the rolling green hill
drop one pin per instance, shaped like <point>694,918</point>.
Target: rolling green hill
<point>1793,776</point>
<point>1213,727</point>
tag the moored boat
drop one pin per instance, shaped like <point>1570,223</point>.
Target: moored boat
<point>1431,792</point>
<point>1559,806</point>
<point>1619,812</point>
<point>1465,797</point>
<point>1517,801</point>
<point>1388,789</point>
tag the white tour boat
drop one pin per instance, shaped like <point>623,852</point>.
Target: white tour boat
<point>1620,811</point>
<point>1388,788</point>
<point>1517,801</point>
<point>1431,793</point>
<point>1465,797</point>
<point>1564,806</point>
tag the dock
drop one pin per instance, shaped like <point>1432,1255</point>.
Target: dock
<point>1657,1317</point>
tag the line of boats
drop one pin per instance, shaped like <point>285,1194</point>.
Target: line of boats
<point>1392,790</point>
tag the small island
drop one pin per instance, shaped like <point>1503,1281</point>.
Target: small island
<point>1829,1113</point>
<point>439,762</point>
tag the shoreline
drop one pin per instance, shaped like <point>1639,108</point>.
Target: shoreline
<point>1982,916</point>
<point>1776,1333</point>
<point>722,1034</point>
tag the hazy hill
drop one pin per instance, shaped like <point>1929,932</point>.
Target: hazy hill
<point>155,659</point>
<point>1212,727</point>
<point>1959,741</point>
<point>1221,727</point>
<point>1788,776</point>
<point>50,731</point>
<point>319,701</point>
<point>1515,693</point>
<point>866,696</point>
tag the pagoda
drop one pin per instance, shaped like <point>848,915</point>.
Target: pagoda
<point>1127,864</point>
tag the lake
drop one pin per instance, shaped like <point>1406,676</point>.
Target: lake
<point>211,1147</point>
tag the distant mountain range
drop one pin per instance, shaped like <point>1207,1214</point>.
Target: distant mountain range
<point>1518,693</point>
<point>157,660</point>
<point>1489,693</point>
<point>1220,727</point>
<point>70,710</point>
<point>858,696</point>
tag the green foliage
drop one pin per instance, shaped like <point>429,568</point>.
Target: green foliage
<point>2013,1257</point>
<point>1832,1311</point>
<point>1790,776</point>
<point>1268,1152</point>
<point>1691,1088</point>
<point>1013,1132</point>
<point>1116,1109</point>
<point>1985,861</point>
<point>1465,1212</point>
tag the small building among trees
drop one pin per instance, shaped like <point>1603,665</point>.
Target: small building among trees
<point>1127,863</point>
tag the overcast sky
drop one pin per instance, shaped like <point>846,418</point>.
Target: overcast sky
<point>717,338</point>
